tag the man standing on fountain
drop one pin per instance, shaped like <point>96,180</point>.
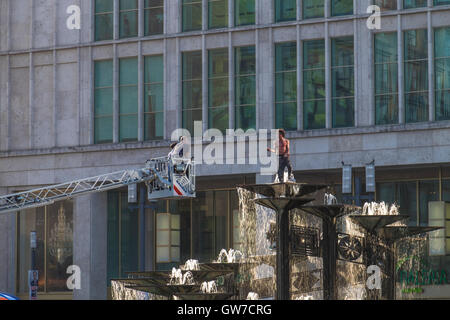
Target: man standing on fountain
<point>283,156</point>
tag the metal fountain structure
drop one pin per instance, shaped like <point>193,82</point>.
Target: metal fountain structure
<point>375,247</point>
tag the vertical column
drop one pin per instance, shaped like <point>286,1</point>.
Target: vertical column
<point>31,80</point>
<point>205,15</point>
<point>355,71</point>
<point>55,99</point>
<point>116,19</point>
<point>431,75</point>
<point>90,216</point>
<point>141,18</point>
<point>299,10</point>
<point>258,76</point>
<point>7,250</point>
<point>231,94</point>
<point>205,88</point>
<point>401,90</point>
<point>115,95</point>
<point>230,13</point>
<point>140,93</point>
<point>299,79</point>
<point>328,111</point>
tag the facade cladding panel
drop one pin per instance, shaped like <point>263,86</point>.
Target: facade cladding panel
<point>111,93</point>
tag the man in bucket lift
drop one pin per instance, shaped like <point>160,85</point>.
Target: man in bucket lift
<point>179,150</point>
<point>283,157</point>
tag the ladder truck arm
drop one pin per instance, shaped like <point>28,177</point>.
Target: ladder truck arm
<point>162,177</point>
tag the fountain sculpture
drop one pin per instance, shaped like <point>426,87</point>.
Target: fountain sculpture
<point>293,247</point>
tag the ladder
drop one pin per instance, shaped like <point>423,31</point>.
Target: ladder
<point>164,178</point>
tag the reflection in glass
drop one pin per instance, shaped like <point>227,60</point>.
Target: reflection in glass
<point>192,89</point>
<point>244,12</point>
<point>442,73</point>
<point>343,77</point>
<point>128,16</point>
<point>103,101</point>
<point>128,97</point>
<point>314,84</point>
<point>192,15</point>
<point>386,4</point>
<point>386,78</point>
<point>341,7</point>
<point>286,86</point>
<point>245,92</point>
<point>285,10</point>
<point>313,9</point>
<point>218,14</point>
<point>154,17</point>
<point>218,90</point>
<point>153,97</point>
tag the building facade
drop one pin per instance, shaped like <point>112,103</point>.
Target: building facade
<point>77,102</point>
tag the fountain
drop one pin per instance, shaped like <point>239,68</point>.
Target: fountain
<point>292,247</point>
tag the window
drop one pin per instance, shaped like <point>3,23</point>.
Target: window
<point>428,191</point>
<point>103,101</point>
<point>122,237</point>
<point>244,12</point>
<point>168,240</point>
<point>386,4</point>
<point>442,73</point>
<point>154,17</point>
<point>104,17</point>
<point>53,225</point>
<point>192,15</point>
<point>218,100</point>
<point>217,14</point>
<point>128,96</point>
<point>313,9</point>
<point>408,4</point>
<point>286,86</point>
<point>386,78</point>
<point>404,194</point>
<point>128,18</point>
<point>314,84</point>
<point>285,10</point>
<point>341,7</point>
<point>154,98</point>
<point>192,89</point>
<point>416,75</point>
<point>343,82</point>
<point>441,2</point>
<point>245,93</point>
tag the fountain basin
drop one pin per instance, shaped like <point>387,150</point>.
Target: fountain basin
<point>373,223</point>
<point>288,189</point>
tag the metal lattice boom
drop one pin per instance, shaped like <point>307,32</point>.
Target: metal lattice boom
<point>47,195</point>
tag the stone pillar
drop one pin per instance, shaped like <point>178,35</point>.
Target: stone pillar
<point>90,245</point>
<point>7,251</point>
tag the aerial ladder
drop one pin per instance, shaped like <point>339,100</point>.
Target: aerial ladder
<point>165,178</point>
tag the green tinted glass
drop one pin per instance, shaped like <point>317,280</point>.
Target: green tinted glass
<point>244,12</point>
<point>341,7</point>
<point>407,4</point>
<point>285,10</point>
<point>313,9</point>
<point>217,14</point>
<point>192,15</point>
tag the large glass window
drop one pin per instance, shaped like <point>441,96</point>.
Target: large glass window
<point>154,17</point>
<point>192,89</point>
<point>218,88</point>
<point>154,98</point>
<point>428,191</point>
<point>104,17</point>
<point>416,75</point>
<point>341,7</point>
<point>286,86</point>
<point>313,9</point>
<point>103,101</point>
<point>285,10</point>
<point>53,225</point>
<point>403,194</point>
<point>441,2</point>
<point>408,4</point>
<point>168,238</point>
<point>343,82</point>
<point>386,78</point>
<point>123,236</point>
<point>314,84</point>
<point>128,18</point>
<point>192,15</point>
<point>386,4</point>
<point>245,93</point>
<point>244,11</point>
<point>128,99</point>
<point>442,73</point>
<point>217,14</point>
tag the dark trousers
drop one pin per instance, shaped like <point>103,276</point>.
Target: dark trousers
<point>283,162</point>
